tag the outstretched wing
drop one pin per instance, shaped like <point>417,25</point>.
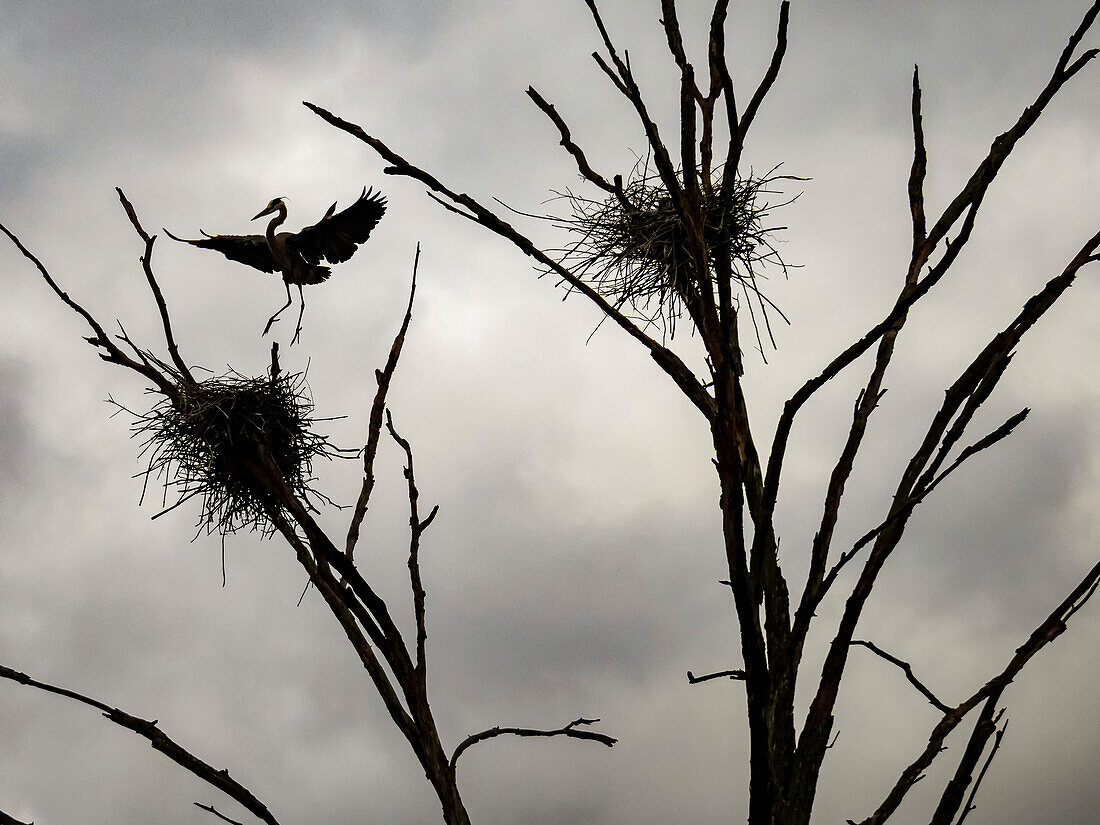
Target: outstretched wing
<point>247,249</point>
<point>335,237</point>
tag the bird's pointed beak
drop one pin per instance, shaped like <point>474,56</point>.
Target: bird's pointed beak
<point>267,211</point>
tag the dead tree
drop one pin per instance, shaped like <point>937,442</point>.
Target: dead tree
<point>683,235</point>
<point>244,447</point>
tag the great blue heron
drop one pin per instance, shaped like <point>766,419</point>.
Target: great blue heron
<point>298,255</point>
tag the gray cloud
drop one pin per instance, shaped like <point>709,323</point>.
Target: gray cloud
<point>573,567</point>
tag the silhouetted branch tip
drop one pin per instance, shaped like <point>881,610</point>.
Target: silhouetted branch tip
<point>217,813</point>
<point>382,377</point>
<point>721,674</point>
<point>908,670</point>
<point>573,730</point>
<point>587,172</point>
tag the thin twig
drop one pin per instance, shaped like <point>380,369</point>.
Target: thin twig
<point>571,730</point>
<point>217,813</point>
<point>566,141</point>
<point>766,83</point>
<point>721,674</point>
<point>908,670</point>
<point>416,529</point>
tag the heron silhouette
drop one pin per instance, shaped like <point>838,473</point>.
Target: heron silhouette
<point>298,255</point>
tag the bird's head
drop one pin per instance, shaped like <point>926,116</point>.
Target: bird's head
<point>274,206</point>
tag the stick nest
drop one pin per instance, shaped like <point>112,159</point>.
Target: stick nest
<point>634,248</point>
<point>204,442</point>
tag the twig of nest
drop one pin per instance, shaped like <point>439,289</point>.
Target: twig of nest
<point>634,247</point>
<point>203,442</point>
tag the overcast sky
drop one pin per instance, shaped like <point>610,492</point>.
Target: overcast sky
<point>573,568</point>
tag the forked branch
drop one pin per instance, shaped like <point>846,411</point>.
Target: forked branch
<point>111,352</point>
<point>970,806</point>
<point>954,792</point>
<point>965,205</point>
<point>624,81</point>
<point>374,426</point>
<point>1049,630</point>
<point>416,530</point>
<point>812,598</point>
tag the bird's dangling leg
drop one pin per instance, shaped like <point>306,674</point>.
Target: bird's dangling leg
<point>273,318</point>
<point>301,312</point>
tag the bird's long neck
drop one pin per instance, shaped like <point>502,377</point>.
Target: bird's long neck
<point>280,216</point>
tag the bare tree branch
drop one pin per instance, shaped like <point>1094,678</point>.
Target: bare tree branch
<point>219,779</point>
<point>762,90</point>
<point>369,608</point>
<point>416,528</point>
<point>1049,630</point>
<point>154,287</point>
<point>970,806</point>
<point>215,811</point>
<point>587,172</point>
<point>688,382</point>
<point>898,513</point>
<point>353,618</point>
<point>973,385</point>
<point>675,40</point>
<point>919,170</point>
<point>952,798</point>
<point>374,427</point>
<point>626,84</point>
<point>100,339</point>
<point>721,674</point>
<point>571,730</point>
<point>965,205</point>
<point>869,396</point>
<point>908,670</point>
